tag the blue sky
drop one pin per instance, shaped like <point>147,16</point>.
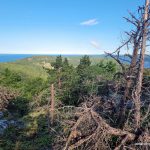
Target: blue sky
<point>63,26</point>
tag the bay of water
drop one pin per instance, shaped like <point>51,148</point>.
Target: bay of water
<point>14,57</point>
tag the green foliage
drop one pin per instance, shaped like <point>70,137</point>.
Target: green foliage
<point>27,87</point>
<point>83,68</point>
<point>84,63</point>
<point>19,106</point>
<point>58,63</point>
<point>147,73</point>
<point>107,69</point>
<point>66,63</point>
<point>38,138</point>
<point>26,68</point>
<point>110,67</point>
<point>33,87</point>
<point>74,82</point>
<point>78,78</point>
<point>7,143</point>
<point>69,81</point>
<point>69,87</point>
<point>10,78</point>
<point>80,81</point>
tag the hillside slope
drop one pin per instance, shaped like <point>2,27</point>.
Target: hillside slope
<point>33,66</point>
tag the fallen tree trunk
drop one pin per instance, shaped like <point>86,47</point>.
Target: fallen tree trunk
<point>102,125</point>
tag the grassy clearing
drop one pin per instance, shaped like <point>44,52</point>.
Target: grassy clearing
<point>29,70</point>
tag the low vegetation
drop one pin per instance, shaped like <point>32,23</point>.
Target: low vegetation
<point>85,105</point>
<point>74,86</point>
<point>31,104</point>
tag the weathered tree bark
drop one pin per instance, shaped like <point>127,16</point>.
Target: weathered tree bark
<point>137,37</point>
<point>138,87</point>
<point>101,124</point>
<point>131,72</point>
<point>134,75</point>
<point>129,83</point>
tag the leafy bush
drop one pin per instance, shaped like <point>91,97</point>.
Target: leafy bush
<point>10,78</point>
<point>33,87</point>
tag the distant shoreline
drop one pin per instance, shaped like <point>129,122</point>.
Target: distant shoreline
<point>14,57</point>
<point>54,54</point>
<point>4,58</point>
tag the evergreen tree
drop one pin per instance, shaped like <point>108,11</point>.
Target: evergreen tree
<point>58,63</point>
<point>84,63</point>
<point>110,67</point>
<point>84,74</point>
<point>66,63</point>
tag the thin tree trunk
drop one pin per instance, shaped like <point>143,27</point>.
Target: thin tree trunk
<point>52,107</point>
<point>137,92</point>
<point>132,71</point>
<point>129,82</point>
<point>132,68</point>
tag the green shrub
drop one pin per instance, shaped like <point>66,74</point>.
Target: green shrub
<point>19,106</point>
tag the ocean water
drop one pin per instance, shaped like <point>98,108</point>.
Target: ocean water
<point>14,57</point>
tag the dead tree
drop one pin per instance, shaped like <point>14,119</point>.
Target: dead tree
<point>52,107</point>
<point>130,74</point>
<point>138,87</point>
<point>133,76</point>
<point>136,37</point>
<point>94,132</point>
<point>6,95</point>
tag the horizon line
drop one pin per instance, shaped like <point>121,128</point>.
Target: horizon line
<point>44,54</point>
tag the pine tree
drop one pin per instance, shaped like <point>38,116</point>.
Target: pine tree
<point>84,63</point>
<point>58,63</point>
<point>66,63</point>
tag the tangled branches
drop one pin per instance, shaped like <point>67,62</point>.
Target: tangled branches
<point>5,96</point>
<point>91,131</point>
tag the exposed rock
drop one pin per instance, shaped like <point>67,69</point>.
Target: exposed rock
<point>3,125</point>
<point>1,114</point>
<point>47,65</point>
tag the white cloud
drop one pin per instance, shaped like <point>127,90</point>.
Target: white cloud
<point>90,22</point>
<point>95,44</point>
